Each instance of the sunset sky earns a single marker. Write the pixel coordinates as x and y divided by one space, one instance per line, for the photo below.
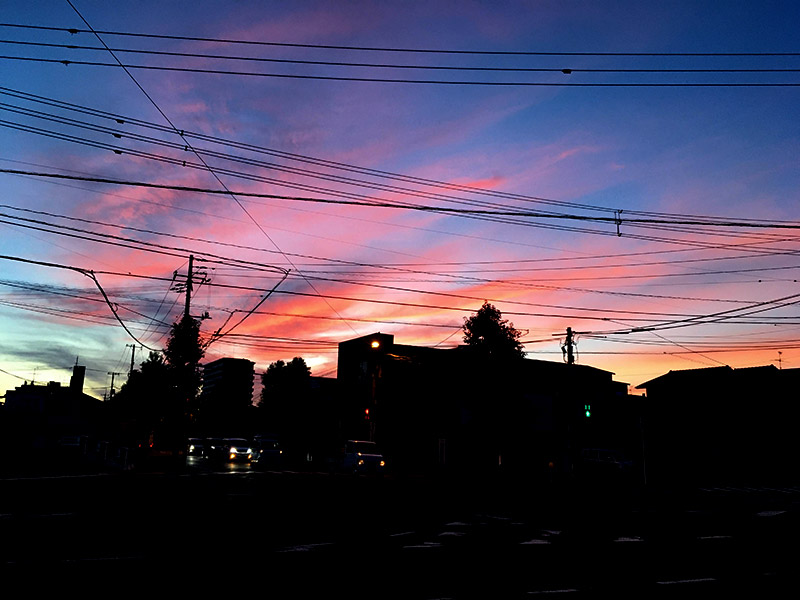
627 169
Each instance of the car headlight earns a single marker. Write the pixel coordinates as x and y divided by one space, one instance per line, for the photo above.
234 450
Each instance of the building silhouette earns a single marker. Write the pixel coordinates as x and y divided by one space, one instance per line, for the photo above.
455 410
226 394
36 416
721 424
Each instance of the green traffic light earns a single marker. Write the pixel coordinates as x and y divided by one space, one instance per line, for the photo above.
587 410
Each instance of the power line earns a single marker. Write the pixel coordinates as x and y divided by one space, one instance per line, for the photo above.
492 69
207 71
91 275
119 119
449 277
73 30
251 265
212 171
416 207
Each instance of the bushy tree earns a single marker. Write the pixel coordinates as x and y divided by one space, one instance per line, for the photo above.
159 397
282 379
491 335
183 354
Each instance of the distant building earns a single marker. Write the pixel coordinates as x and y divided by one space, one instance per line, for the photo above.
37 415
455 410
722 424
227 390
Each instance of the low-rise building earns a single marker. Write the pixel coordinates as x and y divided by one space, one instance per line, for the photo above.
455 409
721 424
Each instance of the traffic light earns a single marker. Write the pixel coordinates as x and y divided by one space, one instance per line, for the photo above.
366 414
587 410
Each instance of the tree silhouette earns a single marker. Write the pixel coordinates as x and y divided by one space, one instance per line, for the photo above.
282 379
286 408
158 398
491 335
183 355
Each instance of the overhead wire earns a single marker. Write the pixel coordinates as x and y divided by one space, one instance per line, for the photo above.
160 248
477 213
693 219
448 277
399 80
566 70
189 146
481 52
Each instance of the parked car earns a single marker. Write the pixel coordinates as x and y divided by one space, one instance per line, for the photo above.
602 461
362 457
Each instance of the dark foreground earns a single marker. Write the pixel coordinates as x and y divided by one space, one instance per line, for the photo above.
241 532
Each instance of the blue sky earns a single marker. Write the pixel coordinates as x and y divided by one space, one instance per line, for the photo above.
707 295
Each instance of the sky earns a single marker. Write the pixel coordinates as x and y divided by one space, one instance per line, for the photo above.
629 170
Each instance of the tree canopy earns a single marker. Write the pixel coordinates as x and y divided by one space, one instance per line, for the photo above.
282 378
490 334
161 396
183 354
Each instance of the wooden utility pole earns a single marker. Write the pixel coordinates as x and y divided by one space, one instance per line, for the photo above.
133 351
188 288
111 391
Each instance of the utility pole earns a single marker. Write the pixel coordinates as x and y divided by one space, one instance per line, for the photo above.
188 288
111 392
568 347
133 351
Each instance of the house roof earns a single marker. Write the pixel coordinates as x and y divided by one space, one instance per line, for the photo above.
685 375
691 376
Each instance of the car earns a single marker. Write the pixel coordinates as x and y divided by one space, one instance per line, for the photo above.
213 448
362 457
603 461
73 443
236 450
267 451
195 447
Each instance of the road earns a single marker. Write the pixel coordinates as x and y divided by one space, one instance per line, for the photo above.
308 535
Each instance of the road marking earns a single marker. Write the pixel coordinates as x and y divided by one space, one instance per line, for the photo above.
684 581
770 513
44 477
306 547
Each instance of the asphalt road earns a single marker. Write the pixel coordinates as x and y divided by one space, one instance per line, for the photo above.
234 531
